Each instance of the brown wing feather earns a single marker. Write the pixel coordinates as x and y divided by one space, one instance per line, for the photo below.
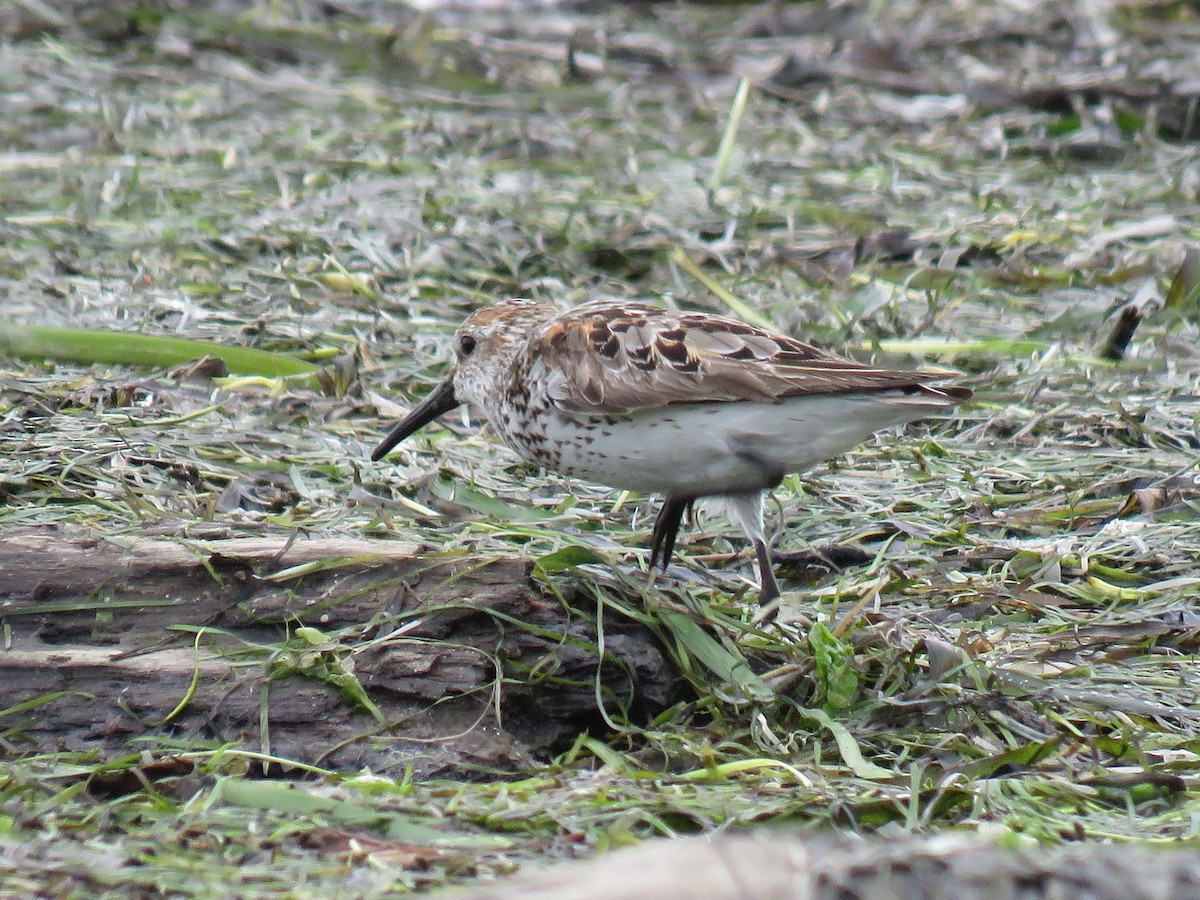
613 359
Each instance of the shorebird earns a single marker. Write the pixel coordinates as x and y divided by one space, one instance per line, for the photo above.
687 405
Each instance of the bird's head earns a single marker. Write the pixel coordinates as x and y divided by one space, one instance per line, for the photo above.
485 346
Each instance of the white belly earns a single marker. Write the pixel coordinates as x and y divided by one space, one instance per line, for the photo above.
716 448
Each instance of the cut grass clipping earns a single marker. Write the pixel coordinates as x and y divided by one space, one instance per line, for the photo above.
40 342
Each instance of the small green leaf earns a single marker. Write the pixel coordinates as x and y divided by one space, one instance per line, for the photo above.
325 665
1063 125
353 690
566 558
836 677
313 636
1129 121
848 747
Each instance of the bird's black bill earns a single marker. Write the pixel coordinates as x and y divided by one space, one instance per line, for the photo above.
440 400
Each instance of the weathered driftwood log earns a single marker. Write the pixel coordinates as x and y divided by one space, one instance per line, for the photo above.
125 643
780 865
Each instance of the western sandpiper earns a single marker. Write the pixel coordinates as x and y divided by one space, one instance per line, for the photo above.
688 405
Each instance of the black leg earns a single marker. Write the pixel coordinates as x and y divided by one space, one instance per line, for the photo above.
769 590
666 527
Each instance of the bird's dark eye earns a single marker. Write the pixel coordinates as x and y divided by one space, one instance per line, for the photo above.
466 344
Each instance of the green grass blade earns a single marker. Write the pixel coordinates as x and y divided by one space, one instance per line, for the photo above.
685 262
729 666
939 346
848 747
294 799
112 347
729 138
1185 286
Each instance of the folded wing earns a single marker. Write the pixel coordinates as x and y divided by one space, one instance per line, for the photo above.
611 360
